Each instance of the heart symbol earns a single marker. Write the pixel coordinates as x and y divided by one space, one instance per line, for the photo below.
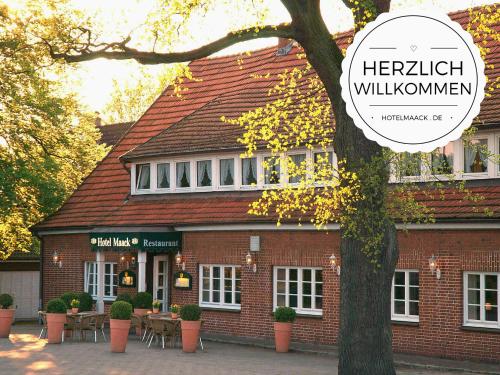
413 47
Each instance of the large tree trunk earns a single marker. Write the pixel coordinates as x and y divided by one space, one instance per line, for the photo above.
365 341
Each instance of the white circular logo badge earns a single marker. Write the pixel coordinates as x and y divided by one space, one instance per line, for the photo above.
413 81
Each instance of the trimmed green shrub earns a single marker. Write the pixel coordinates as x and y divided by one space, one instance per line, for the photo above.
124 297
121 310
86 301
143 300
284 314
56 306
6 301
190 312
68 297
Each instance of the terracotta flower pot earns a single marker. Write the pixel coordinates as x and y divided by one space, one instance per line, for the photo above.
156 311
282 336
174 315
6 319
190 335
74 310
55 327
139 312
119 334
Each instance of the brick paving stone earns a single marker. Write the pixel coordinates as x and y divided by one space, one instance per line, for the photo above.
23 353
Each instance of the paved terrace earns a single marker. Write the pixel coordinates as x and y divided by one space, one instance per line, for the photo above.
23 353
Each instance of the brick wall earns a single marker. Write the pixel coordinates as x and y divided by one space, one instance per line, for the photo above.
439 332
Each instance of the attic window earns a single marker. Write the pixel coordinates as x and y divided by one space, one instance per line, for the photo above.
183 174
143 176
204 173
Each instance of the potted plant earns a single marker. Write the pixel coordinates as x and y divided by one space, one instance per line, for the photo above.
174 310
190 325
75 304
142 302
284 317
56 317
86 301
156 306
67 298
6 314
119 324
124 297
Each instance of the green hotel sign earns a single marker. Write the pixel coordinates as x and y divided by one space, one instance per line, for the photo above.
155 242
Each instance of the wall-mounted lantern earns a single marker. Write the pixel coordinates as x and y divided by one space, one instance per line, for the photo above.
333 264
254 248
179 261
56 259
251 265
433 266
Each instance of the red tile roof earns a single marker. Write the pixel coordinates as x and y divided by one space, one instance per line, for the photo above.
222 86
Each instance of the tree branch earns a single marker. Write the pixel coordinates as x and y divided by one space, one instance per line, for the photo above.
120 51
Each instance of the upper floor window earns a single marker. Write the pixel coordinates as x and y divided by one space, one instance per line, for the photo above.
476 156
249 171
204 173
481 295
405 295
272 170
143 176
442 159
226 171
163 176
410 164
300 288
296 169
183 174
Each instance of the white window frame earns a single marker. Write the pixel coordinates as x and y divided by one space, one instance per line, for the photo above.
221 304
235 184
480 175
169 175
191 177
136 181
482 323
299 309
113 265
406 316
213 167
286 176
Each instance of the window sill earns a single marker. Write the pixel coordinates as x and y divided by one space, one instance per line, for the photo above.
306 315
480 329
405 323
222 309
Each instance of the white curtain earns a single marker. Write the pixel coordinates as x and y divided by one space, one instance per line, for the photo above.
143 180
227 172
249 171
182 175
272 171
204 170
297 161
163 176
470 154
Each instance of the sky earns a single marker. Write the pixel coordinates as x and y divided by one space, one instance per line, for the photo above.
94 80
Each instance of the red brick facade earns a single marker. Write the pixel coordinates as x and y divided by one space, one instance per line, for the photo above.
439 332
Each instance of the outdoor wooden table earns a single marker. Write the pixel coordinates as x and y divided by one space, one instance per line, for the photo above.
74 319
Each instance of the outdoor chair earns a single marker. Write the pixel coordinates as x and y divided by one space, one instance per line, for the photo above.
43 321
164 329
92 323
71 325
147 326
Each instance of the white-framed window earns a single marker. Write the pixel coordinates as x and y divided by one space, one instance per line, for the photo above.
220 286
143 176
204 173
442 160
183 175
476 156
226 172
249 171
163 175
300 288
272 173
405 295
298 165
110 280
481 296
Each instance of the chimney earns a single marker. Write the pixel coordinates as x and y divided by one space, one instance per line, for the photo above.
284 46
98 120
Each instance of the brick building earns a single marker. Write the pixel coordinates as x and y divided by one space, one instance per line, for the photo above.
170 202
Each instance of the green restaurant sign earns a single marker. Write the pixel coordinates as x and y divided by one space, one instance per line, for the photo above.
155 242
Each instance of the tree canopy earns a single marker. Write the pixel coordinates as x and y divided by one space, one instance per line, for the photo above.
47 143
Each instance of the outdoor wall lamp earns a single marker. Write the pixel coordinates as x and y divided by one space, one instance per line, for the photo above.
250 262
333 264
433 266
179 262
56 259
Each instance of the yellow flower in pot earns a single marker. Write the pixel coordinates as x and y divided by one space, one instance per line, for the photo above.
75 305
174 310
156 306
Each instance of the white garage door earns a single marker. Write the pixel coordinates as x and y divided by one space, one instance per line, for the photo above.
24 287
